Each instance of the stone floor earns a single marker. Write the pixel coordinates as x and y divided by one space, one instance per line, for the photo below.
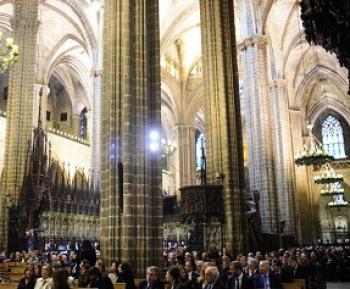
335 285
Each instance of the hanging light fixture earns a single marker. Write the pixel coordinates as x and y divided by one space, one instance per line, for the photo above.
8 53
328 175
313 154
332 189
338 201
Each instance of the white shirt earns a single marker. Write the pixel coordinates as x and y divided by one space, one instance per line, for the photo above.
240 277
42 283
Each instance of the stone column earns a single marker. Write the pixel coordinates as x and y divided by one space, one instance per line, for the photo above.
222 115
283 156
131 202
185 155
259 133
19 108
45 90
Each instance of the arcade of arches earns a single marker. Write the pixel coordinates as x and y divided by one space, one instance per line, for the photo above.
239 88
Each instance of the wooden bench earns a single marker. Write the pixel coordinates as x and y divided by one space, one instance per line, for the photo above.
15 277
294 285
8 286
17 269
301 282
119 285
138 281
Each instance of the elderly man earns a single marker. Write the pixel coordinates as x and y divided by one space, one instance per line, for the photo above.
212 278
152 279
266 279
253 268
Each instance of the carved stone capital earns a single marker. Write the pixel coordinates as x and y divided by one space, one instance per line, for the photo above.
258 39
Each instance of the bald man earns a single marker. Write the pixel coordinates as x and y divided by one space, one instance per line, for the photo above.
212 280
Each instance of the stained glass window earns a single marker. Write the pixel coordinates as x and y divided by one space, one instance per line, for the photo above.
333 138
200 151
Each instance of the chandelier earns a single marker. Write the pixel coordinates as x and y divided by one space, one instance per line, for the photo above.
328 175
314 154
332 189
338 201
8 53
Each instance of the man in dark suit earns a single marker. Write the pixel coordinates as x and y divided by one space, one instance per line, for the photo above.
282 273
298 272
238 280
266 279
212 277
253 268
152 279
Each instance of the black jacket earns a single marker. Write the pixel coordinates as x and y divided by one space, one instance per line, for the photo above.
258 281
245 284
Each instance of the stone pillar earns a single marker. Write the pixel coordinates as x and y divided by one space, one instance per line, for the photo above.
259 133
131 200
222 115
45 92
185 155
19 108
283 156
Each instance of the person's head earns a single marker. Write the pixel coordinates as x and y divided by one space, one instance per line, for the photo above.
236 268
292 262
264 267
199 265
114 267
253 264
100 266
37 270
152 274
183 273
125 269
205 256
276 265
173 275
225 261
243 261
94 275
29 272
86 245
211 274
60 278
190 265
46 272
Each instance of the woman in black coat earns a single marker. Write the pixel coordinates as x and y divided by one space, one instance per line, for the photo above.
28 282
87 253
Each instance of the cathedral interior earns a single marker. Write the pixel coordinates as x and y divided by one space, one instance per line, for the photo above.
147 124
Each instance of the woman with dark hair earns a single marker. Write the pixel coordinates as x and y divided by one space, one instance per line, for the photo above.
28 282
126 276
60 279
37 270
173 276
113 273
87 253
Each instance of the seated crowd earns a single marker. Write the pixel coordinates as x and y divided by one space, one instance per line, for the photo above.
187 270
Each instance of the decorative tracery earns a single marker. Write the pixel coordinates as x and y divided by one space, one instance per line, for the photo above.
333 138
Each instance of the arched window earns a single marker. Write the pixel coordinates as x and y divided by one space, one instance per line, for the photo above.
200 150
333 138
